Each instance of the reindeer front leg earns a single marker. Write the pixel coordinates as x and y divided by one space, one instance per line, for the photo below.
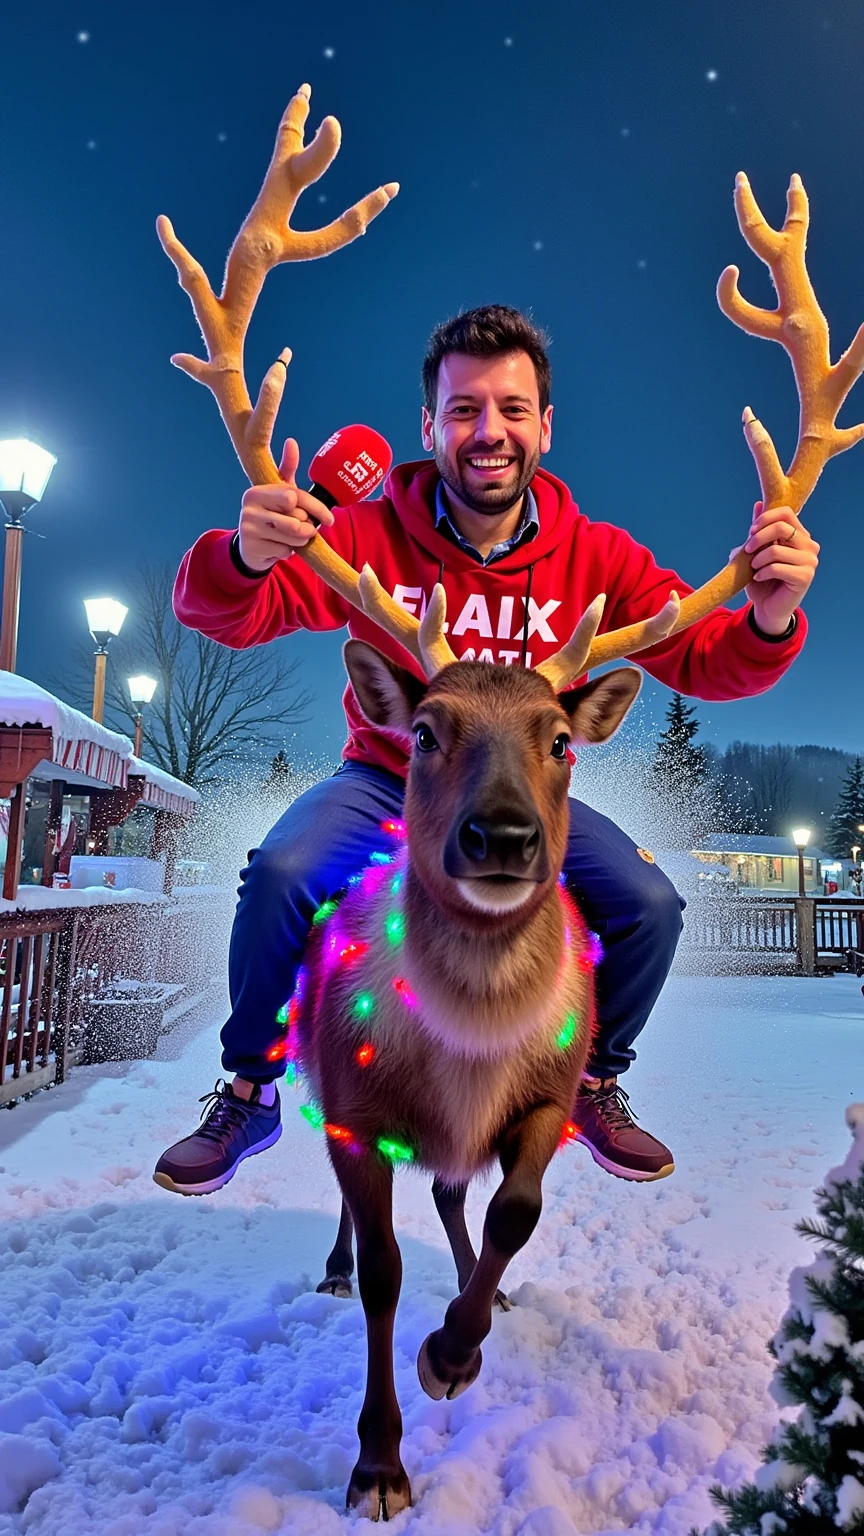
379 1483
450 1358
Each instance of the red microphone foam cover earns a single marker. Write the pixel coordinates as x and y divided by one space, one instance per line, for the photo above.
351 464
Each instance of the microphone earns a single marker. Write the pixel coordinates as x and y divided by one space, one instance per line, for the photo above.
349 466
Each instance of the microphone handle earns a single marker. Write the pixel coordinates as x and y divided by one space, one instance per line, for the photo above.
321 493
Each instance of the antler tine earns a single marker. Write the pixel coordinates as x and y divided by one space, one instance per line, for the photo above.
584 650
425 640
569 662
264 241
800 326
434 647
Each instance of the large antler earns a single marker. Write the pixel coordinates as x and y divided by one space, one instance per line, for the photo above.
800 326
265 240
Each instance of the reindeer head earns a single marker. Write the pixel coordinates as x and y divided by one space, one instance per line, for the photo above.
486 804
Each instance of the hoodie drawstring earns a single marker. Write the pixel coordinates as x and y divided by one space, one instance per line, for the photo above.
522 661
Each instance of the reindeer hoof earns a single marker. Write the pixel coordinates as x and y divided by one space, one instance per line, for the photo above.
335 1285
440 1379
378 1495
502 1302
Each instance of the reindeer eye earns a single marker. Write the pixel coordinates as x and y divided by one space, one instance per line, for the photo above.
559 747
425 740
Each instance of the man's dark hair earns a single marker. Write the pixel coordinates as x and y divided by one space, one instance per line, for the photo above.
487 332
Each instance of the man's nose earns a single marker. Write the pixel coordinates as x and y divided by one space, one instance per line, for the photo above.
491 427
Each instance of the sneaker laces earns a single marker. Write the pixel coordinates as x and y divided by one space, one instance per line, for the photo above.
613 1104
223 1112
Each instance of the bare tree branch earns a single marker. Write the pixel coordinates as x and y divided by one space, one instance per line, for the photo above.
211 702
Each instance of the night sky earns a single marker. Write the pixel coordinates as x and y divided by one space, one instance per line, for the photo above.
574 160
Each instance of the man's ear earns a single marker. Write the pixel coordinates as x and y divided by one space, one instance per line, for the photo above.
597 708
387 693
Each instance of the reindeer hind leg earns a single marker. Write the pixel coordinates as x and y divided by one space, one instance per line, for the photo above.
450 1205
340 1262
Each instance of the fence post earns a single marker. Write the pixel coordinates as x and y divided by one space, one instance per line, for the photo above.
805 926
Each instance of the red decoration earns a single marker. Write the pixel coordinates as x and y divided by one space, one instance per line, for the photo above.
365 1054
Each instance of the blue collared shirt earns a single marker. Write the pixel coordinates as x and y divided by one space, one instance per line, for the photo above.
529 527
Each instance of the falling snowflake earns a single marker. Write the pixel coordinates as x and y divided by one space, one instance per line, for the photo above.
91 143
82 37
641 263
711 74
508 42
625 133
222 137
322 197
538 245
329 53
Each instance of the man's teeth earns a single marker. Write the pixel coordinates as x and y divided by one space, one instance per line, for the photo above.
489 463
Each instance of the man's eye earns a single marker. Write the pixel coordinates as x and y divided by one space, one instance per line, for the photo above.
425 740
559 747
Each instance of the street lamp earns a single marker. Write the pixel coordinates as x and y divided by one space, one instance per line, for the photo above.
25 469
801 837
104 620
141 691
855 852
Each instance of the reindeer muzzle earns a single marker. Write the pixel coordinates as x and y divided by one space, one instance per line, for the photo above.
480 847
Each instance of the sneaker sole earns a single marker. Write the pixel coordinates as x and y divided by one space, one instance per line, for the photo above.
165 1181
635 1175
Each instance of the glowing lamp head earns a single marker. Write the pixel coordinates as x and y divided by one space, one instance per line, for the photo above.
142 689
104 618
801 837
25 470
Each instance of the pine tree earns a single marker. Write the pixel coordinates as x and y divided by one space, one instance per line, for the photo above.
277 785
811 1482
848 814
679 767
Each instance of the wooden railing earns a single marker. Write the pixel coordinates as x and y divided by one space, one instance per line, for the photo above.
34 1012
56 968
732 927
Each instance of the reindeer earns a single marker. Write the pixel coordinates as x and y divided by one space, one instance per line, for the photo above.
444 1011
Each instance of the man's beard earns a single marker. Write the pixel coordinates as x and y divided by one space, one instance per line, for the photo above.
495 499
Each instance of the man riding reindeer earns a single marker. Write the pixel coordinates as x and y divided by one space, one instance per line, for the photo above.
519 564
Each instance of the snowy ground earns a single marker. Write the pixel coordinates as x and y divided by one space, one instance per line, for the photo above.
165 1371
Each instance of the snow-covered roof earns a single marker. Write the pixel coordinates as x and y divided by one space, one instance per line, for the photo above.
162 790
746 842
80 744
88 751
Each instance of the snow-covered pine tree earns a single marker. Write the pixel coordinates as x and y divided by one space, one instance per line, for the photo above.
847 816
678 765
811 1482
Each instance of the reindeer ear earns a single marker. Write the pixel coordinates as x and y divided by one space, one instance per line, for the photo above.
597 708
387 693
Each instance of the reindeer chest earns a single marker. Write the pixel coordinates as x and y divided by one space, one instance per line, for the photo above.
388 1069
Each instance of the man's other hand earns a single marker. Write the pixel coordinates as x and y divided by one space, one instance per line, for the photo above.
277 519
784 560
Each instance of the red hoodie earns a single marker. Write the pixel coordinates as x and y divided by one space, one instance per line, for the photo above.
554 576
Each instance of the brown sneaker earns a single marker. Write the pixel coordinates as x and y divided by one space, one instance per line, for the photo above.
606 1126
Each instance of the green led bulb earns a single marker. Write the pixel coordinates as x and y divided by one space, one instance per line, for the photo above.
394 927
566 1033
396 1151
313 1114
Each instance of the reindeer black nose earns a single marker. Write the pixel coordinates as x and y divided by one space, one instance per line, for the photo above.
509 845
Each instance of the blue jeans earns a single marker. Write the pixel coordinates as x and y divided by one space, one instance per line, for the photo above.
328 834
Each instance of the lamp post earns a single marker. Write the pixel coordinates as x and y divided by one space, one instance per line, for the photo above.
104 620
141 691
25 469
805 911
855 852
801 837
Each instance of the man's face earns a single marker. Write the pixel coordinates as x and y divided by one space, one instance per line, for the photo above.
488 431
